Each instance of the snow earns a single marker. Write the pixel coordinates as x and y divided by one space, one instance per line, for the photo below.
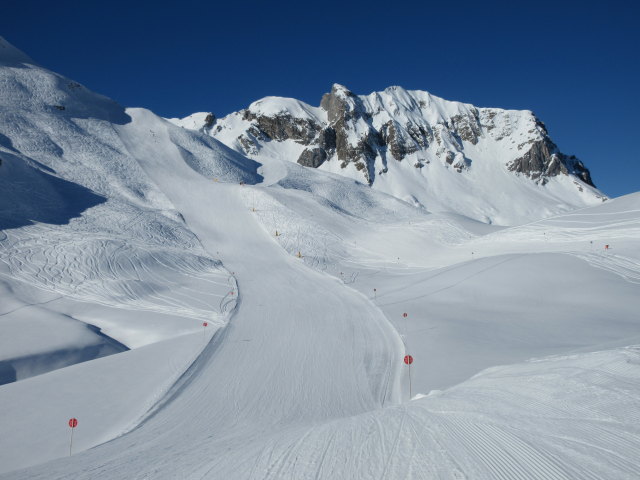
272 106
11 55
400 105
525 338
484 190
194 121
109 396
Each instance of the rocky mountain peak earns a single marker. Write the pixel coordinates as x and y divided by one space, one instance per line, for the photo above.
340 91
340 103
412 135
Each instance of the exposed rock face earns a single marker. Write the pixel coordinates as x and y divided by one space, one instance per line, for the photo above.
284 127
392 136
209 121
544 160
327 139
366 132
312 157
466 127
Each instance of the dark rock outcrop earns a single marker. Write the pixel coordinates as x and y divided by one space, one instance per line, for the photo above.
543 160
467 127
209 121
312 157
284 127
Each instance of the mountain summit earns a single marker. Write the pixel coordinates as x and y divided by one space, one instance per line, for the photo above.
494 165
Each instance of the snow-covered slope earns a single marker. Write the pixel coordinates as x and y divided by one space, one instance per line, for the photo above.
87 237
308 380
524 339
497 166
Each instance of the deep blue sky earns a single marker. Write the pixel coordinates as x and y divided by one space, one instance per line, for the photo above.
575 64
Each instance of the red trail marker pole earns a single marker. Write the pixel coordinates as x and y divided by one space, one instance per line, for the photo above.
73 423
204 331
408 359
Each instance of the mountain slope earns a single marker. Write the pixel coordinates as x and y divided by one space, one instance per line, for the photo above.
294 387
493 165
82 223
303 277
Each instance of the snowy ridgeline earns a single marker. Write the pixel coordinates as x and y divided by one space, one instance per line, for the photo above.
441 155
122 232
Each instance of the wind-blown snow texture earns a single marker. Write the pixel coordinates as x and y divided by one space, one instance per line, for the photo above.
121 233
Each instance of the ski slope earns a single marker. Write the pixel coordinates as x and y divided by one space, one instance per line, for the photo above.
306 416
525 339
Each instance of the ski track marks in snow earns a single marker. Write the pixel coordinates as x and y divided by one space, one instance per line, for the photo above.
627 268
117 272
549 418
307 380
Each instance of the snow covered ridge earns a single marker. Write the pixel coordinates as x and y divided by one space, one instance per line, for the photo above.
417 147
83 222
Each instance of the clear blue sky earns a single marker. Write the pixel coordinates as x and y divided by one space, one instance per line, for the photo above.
575 64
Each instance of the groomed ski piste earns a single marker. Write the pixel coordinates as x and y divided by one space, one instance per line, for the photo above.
123 234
